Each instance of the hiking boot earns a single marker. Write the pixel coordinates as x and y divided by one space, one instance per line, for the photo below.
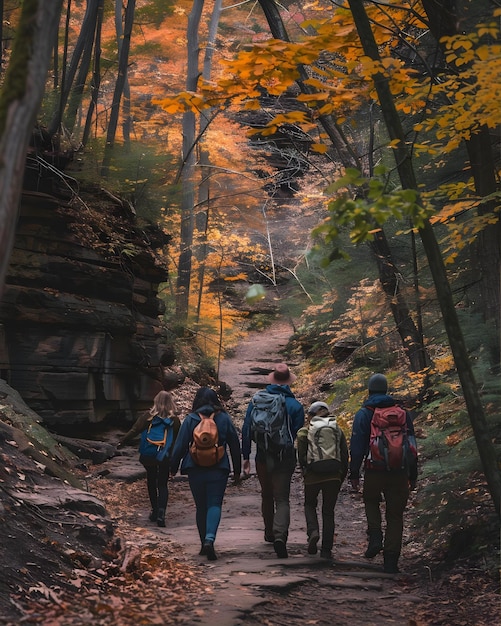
153 515
280 549
390 563
312 542
269 537
326 554
161 519
375 544
209 551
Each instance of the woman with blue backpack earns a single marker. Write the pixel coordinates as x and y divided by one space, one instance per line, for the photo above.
159 428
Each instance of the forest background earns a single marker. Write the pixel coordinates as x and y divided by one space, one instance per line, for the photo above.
336 164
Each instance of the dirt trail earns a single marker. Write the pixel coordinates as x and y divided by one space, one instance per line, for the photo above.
258 350
248 584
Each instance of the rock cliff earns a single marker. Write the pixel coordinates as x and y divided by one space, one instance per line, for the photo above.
80 334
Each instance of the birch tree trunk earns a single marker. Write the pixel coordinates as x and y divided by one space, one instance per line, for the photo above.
20 99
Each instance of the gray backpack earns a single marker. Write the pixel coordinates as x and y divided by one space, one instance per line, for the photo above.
324 445
270 427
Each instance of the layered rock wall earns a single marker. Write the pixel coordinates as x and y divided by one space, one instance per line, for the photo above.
80 334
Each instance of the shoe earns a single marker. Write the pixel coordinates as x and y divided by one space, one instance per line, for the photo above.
161 519
209 552
390 563
375 544
153 515
326 554
312 542
203 550
280 549
269 538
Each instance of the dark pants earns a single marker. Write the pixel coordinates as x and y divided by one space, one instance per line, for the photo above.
395 488
157 477
330 491
275 491
208 486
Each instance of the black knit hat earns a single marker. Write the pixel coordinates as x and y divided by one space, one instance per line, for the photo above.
377 384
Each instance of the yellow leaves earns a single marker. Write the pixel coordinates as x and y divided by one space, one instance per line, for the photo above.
184 101
252 105
321 148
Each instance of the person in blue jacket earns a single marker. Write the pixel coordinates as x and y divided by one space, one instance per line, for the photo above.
275 478
207 484
393 485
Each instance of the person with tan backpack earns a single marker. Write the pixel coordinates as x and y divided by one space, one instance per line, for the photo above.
200 448
322 452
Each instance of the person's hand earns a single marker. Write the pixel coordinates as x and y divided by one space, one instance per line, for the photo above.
355 484
246 467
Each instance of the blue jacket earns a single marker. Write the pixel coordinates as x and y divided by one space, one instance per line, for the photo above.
360 435
227 434
295 412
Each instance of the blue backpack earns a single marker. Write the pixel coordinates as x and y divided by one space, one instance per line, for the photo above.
156 440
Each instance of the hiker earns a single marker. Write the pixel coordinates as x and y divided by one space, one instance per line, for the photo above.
323 456
207 482
157 472
275 468
393 484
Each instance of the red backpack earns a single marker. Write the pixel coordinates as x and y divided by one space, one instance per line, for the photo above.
390 446
205 449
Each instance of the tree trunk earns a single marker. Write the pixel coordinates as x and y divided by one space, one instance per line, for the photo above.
126 117
123 61
390 278
88 26
202 214
20 99
405 169
96 78
188 171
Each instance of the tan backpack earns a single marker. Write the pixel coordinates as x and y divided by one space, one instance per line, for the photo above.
205 449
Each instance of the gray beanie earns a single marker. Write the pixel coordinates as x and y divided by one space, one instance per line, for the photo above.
377 383
316 406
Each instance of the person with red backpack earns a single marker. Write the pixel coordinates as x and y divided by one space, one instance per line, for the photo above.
383 440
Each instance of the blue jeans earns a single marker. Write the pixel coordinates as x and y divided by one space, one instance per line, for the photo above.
207 487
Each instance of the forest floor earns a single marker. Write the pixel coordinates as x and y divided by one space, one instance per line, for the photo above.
155 575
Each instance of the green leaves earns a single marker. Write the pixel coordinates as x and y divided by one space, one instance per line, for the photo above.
364 205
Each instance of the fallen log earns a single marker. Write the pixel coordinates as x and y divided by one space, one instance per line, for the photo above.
96 451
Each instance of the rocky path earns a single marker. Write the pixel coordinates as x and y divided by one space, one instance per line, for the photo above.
248 584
